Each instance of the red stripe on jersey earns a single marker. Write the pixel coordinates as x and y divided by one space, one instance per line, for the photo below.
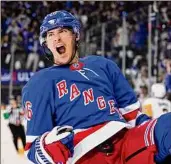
28 146
131 115
81 135
150 133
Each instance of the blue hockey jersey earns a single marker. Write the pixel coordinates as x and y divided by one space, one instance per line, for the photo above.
60 95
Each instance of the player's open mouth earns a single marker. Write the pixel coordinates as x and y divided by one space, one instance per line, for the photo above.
61 49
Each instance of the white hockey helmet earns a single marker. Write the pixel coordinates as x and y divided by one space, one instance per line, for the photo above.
158 90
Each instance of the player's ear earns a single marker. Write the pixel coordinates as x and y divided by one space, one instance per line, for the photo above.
45 43
77 37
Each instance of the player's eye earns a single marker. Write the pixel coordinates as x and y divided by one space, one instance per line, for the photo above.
50 34
63 30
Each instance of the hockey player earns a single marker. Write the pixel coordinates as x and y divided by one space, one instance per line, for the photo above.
157 104
78 110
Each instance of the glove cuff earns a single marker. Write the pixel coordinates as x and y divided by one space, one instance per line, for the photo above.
68 142
41 155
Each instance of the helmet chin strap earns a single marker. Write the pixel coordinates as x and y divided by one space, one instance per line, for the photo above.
74 56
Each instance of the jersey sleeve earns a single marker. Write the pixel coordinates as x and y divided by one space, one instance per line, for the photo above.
37 101
125 97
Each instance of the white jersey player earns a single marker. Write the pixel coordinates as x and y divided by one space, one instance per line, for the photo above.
157 105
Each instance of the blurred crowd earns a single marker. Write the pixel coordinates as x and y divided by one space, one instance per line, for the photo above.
20 22
20 28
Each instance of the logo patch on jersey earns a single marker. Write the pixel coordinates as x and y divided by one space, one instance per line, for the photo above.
76 66
28 111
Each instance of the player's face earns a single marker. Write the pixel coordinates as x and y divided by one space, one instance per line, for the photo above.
61 42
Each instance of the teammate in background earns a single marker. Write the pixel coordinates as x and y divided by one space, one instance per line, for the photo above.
15 115
157 105
78 110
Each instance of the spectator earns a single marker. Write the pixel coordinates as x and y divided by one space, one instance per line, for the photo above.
143 95
142 79
33 56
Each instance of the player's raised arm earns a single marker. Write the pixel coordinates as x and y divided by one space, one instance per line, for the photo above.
125 97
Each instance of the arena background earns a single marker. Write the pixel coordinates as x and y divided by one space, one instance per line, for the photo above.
136 35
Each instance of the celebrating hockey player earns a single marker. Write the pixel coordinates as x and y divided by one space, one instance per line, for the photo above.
83 111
